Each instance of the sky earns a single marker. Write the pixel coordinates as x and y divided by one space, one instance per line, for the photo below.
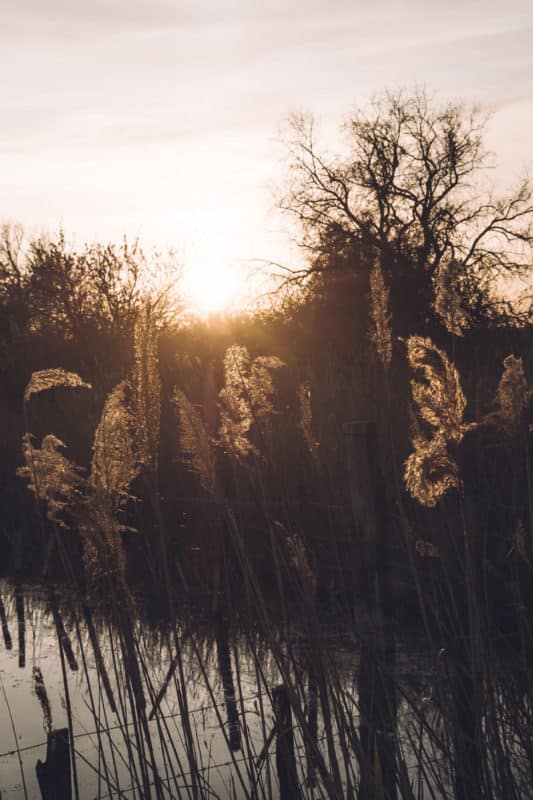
163 119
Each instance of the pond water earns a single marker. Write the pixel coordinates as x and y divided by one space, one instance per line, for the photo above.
147 723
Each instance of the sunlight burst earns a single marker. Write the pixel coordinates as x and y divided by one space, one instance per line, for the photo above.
212 288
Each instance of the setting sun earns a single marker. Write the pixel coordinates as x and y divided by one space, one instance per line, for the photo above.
212 288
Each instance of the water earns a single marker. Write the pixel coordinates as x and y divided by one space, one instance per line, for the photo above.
35 644
215 712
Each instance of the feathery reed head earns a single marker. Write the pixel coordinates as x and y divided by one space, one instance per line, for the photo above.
512 396
147 387
436 388
46 379
306 418
298 557
195 442
447 303
430 471
52 477
246 399
114 465
439 402
380 316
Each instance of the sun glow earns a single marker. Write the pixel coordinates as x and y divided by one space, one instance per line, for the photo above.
212 288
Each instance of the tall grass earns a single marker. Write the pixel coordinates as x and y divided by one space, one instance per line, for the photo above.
458 728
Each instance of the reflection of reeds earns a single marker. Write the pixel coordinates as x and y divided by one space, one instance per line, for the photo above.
40 691
226 673
5 629
15 737
368 742
21 623
61 632
65 648
98 658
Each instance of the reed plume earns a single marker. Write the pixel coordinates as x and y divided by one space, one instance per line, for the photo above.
298 559
447 303
113 469
439 401
147 388
195 442
246 399
430 471
52 477
436 389
114 466
46 379
380 316
512 396
306 419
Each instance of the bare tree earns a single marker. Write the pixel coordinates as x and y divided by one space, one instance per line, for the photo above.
409 192
13 275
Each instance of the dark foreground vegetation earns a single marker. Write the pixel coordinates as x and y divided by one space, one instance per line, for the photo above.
360 451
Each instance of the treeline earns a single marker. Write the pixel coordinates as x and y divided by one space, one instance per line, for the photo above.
396 320
328 370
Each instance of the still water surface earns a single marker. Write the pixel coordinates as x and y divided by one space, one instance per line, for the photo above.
227 678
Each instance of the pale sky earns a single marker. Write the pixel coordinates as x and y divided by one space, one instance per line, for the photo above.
160 118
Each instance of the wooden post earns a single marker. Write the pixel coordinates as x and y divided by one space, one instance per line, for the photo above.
54 775
377 697
361 462
226 674
377 723
285 758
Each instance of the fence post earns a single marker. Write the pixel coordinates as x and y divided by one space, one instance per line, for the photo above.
377 696
54 775
285 758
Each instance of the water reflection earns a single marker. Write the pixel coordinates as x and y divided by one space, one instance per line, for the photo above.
219 707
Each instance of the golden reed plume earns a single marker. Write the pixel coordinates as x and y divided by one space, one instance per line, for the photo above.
147 387
380 316
52 477
46 379
246 399
439 405
195 442
512 397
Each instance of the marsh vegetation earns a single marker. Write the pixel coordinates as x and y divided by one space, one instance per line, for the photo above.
286 553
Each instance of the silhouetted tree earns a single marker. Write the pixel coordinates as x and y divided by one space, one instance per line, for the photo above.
409 193
94 290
